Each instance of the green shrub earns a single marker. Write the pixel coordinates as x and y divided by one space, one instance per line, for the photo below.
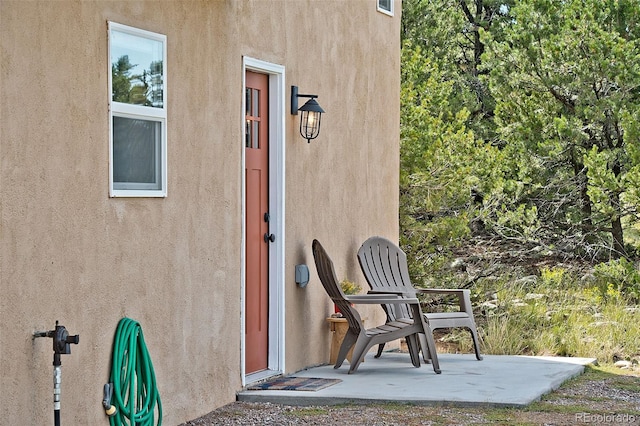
555 277
349 287
618 275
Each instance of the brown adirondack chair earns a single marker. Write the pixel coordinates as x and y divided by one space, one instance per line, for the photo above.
362 338
384 265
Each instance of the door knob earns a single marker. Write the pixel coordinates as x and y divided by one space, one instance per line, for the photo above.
269 237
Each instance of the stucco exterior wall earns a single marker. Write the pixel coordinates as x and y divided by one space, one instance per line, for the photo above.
342 188
71 253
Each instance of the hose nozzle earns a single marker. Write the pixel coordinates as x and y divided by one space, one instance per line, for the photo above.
109 409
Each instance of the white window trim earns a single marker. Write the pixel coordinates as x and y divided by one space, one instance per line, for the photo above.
383 10
119 109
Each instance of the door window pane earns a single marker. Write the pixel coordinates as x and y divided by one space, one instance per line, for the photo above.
255 110
255 133
252 112
247 101
247 135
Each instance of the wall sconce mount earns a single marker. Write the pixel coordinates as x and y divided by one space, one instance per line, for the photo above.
311 113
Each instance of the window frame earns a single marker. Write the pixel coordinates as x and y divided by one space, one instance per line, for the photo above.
138 112
384 10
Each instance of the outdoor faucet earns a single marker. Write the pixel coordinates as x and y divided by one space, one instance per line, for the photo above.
61 345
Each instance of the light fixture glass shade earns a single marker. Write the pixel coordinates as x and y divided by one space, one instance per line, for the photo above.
311 114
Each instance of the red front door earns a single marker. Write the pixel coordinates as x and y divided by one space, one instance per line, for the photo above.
257 222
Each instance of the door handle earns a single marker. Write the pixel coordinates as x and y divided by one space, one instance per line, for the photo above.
269 237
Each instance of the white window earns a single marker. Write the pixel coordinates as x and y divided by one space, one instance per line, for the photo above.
385 6
137 113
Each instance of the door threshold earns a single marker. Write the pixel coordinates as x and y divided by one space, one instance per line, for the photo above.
260 376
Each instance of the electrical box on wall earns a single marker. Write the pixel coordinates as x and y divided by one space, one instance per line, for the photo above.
302 275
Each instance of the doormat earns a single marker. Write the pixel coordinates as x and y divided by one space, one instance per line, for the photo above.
295 384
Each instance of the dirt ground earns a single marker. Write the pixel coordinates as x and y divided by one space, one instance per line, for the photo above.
600 396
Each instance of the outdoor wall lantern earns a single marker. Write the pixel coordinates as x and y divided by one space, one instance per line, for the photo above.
311 114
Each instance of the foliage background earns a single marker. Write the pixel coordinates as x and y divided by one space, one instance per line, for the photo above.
520 159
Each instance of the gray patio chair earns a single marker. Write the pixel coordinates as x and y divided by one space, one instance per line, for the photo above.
384 265
364 339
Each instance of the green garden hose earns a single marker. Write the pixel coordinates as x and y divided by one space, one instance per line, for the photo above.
133 381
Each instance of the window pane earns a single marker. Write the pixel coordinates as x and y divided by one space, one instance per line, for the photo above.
254 133
247 101
136 153
247 143
248 104
137 74
385 5
255 111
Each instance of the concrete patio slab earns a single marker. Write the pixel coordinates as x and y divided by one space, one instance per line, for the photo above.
497 380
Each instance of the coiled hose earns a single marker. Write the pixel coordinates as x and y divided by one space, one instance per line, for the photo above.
133 380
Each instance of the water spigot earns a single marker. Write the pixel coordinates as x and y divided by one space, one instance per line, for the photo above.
61 341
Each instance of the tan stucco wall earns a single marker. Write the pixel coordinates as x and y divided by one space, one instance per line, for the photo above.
343 187
68 252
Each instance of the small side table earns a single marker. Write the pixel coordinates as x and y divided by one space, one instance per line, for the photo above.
339 328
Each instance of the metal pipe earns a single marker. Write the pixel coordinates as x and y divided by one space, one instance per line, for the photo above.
57 381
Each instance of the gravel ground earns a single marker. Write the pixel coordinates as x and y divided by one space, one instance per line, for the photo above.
600 396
